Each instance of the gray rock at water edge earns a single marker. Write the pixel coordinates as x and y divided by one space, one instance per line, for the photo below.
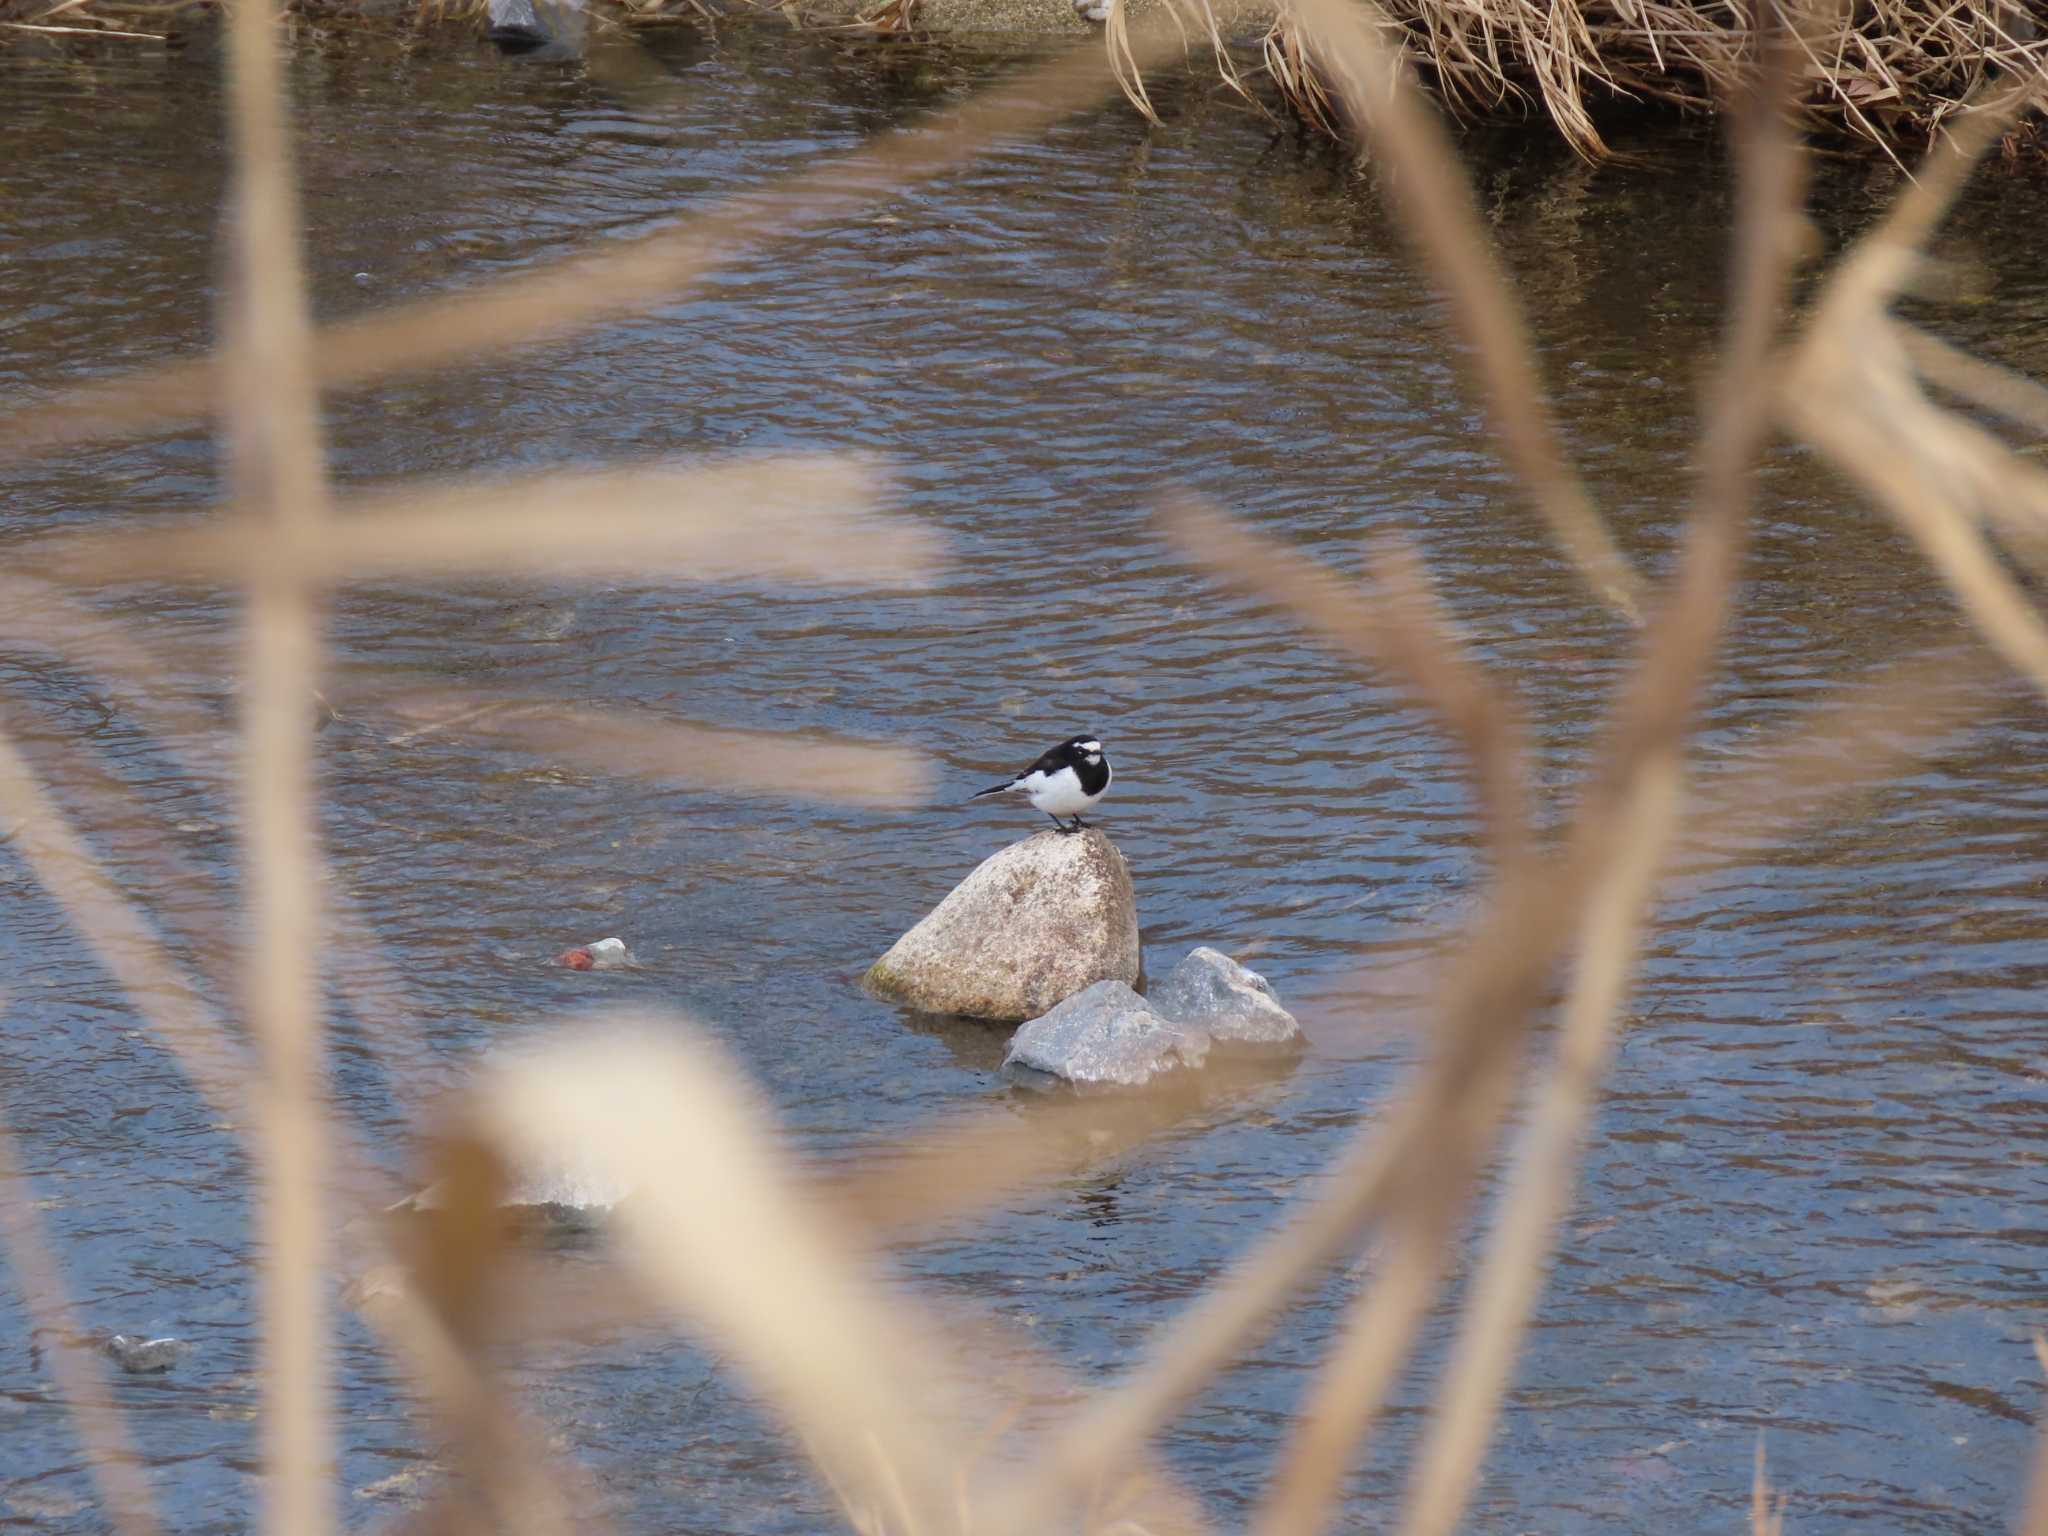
550 28
1208 990
1106 1036
1030 927
140 1356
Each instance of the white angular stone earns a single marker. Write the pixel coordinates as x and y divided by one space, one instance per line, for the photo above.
1106 1036
1210 991
1030 927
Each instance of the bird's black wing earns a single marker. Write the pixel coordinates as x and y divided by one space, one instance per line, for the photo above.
1050 761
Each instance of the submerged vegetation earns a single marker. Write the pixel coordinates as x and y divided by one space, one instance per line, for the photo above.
776 1266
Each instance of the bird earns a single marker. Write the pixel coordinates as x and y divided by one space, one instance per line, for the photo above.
1066 781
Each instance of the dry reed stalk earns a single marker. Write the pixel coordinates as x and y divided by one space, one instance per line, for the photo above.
1645 732
95 1416
1295 75
1511 1276
1644 805
1852 391
445 1311
40 834
1464 1093
1199 1343
29 26
805 518
597 285
1377 91
1766 1516
1349 1393
2009 393
36 615
277 473
1876 724
741 1253
120 941
1383 1322
39 831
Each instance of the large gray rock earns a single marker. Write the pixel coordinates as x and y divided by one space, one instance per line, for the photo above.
1106 1036
1210 991
1033 925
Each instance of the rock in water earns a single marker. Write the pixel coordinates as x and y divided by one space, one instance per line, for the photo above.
1033 925
533 26
142 1356
1210 991
1106 1036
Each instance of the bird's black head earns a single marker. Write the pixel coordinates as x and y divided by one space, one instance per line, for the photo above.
1080 749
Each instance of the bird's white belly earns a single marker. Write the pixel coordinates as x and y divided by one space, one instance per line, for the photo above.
1058 794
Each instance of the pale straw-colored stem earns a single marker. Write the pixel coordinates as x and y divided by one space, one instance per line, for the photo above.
1378 91
1511 1276
271 416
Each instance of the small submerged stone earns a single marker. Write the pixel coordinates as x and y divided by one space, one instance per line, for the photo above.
140 1356
1106 1036
1210 991
560 1195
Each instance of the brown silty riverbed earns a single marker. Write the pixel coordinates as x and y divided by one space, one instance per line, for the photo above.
1813 1203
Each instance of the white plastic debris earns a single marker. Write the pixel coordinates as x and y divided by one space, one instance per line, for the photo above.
600 955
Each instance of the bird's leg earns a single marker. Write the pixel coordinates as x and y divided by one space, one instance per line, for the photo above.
1079 823
1057 822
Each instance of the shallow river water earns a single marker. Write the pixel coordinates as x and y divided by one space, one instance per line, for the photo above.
1813 1204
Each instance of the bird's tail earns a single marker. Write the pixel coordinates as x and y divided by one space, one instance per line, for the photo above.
993 789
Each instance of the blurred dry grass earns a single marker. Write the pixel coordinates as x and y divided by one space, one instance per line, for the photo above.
785 1273
1891 73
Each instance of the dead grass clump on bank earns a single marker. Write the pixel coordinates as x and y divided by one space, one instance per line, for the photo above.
783 1271
1888 72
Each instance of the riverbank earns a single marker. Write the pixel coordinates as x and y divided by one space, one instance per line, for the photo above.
1884 78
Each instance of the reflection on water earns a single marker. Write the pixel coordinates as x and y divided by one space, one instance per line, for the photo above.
1813 1204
